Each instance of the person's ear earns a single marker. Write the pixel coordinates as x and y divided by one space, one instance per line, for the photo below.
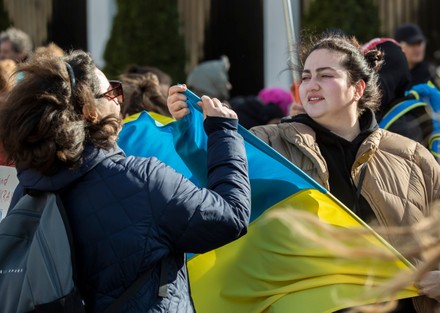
90 112
359 89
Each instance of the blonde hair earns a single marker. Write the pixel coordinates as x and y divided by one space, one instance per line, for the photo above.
7 75
51 48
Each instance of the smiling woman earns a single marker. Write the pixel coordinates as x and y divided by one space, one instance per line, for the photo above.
327 94
379 175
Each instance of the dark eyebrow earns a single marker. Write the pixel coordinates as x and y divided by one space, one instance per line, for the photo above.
320 69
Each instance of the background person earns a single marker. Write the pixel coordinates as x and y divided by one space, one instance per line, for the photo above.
394 83
165 80
50 48
211 78
143 92
15 44
252 111
413 43
7 82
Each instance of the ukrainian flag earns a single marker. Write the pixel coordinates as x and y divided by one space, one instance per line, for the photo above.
286 262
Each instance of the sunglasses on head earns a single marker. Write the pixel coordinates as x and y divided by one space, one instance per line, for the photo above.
115 92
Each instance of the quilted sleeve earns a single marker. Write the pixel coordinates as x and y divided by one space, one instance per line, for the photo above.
430 170
196 219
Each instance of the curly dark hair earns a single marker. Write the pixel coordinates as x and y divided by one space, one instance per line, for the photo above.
42 124
359 66
142 92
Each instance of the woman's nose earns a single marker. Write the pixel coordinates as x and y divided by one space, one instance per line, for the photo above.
312 84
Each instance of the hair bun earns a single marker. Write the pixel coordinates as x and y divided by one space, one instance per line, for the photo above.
374 59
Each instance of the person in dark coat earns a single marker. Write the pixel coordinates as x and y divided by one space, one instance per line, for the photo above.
394 83
128 214
394 75
413 42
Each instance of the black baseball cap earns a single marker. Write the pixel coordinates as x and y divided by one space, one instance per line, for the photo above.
409 33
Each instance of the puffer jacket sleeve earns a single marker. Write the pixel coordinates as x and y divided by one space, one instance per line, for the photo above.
430 169
197 220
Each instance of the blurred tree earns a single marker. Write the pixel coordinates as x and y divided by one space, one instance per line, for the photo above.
427 20
146 32
4 17
354 17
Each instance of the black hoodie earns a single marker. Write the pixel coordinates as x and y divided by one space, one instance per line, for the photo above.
340 155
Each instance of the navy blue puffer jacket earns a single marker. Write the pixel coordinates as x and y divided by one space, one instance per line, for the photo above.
130 213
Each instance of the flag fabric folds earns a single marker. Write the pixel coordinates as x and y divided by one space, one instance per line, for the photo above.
275 267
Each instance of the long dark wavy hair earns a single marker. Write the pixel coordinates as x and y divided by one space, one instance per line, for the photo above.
41 122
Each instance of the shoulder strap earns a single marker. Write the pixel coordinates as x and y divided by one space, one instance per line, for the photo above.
64 217
63 213
66 222
403 106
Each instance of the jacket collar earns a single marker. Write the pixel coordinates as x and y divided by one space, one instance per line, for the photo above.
92 156
300 131
367 122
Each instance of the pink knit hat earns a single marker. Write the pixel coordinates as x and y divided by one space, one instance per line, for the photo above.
279 96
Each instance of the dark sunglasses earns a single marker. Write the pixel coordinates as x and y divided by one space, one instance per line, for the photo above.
115 92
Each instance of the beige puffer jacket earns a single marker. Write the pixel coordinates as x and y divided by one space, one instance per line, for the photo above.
402 177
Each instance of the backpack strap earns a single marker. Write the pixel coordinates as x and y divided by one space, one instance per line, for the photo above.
72 302
69 233
63 213
402 107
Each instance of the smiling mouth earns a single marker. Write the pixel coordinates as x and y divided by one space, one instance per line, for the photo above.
315 99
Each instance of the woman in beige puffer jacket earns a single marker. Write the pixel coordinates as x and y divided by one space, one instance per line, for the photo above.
383 177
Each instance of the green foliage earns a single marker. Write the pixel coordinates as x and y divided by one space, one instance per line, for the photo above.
355 17
4 18
146 32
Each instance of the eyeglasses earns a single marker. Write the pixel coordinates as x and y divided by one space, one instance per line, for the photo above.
115 92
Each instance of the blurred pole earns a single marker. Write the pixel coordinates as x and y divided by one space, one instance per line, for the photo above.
291 40
290 30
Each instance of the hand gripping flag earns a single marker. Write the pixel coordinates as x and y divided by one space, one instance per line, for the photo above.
274 267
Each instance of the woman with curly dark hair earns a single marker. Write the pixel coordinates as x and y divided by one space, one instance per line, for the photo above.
386 179
128 214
